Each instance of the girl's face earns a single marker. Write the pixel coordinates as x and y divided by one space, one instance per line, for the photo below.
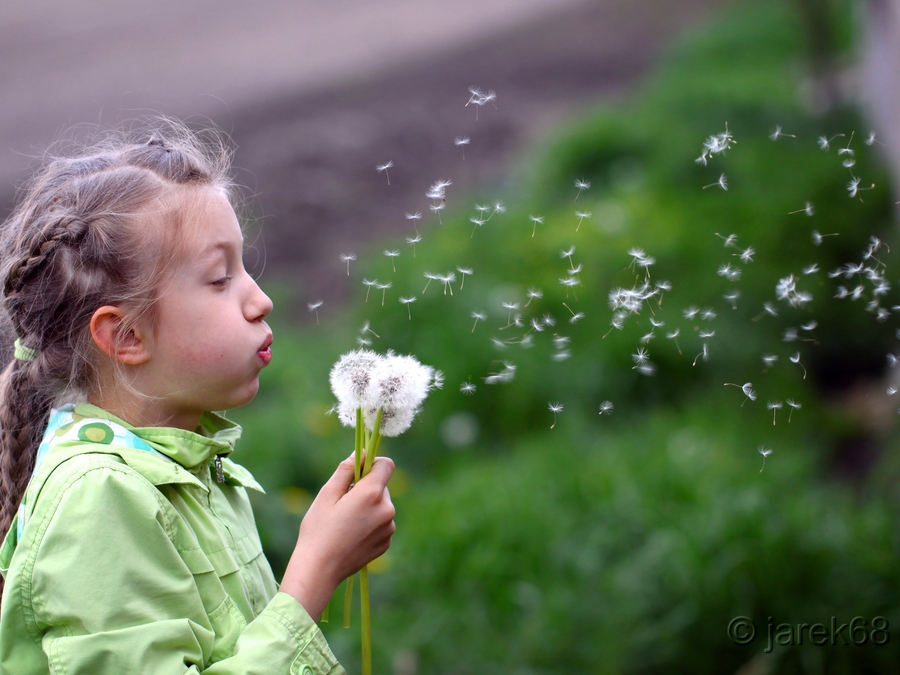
210 340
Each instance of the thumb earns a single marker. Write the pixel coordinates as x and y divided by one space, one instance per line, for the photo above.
340 480
381 471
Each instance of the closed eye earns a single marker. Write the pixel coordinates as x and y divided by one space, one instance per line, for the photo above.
222 282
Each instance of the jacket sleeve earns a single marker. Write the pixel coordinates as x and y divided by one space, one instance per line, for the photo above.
107 590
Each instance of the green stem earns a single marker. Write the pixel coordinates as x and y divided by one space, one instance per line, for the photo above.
373 442
366 621
360 430
348 600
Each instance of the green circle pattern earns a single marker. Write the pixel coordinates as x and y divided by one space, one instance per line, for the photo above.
96 432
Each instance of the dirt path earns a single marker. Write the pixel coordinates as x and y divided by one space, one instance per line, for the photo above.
315 96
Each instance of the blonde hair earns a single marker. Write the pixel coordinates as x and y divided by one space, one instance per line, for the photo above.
96 227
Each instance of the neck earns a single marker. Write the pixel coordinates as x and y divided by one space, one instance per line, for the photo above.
142 411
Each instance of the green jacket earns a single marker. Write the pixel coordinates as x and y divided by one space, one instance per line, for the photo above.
128 556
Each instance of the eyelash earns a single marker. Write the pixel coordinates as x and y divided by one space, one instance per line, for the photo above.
222 281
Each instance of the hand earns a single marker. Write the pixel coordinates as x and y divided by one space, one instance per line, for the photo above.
343 530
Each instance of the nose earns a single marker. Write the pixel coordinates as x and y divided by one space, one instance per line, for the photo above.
258 305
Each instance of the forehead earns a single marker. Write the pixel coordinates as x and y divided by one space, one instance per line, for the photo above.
208 222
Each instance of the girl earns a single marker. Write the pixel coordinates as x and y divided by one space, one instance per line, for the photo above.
130 544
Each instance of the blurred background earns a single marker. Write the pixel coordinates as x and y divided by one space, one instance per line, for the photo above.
595 539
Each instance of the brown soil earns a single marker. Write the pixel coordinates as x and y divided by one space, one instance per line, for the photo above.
310 158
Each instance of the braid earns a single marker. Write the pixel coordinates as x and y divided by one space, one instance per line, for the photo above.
89 230
18 435
67 230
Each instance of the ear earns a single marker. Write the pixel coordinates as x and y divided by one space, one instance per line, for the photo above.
110 335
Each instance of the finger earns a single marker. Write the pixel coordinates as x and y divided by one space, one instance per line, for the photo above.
381 471
340 480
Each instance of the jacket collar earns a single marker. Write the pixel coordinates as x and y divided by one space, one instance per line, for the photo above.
190 450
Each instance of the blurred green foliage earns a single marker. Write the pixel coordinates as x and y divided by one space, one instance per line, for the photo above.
623 543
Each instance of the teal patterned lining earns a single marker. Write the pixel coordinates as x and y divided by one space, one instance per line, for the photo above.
62 426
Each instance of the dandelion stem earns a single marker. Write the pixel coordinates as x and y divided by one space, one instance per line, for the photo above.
366 620
348 600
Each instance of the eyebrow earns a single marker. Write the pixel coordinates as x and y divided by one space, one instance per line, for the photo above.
223 246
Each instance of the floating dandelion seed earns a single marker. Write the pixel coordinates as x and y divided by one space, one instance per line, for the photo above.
778 133
716 144
708 314
408 302
640 357
437 208
367 328
431 277
478 223
746 389
314 307
392 255
825 143
870 139
853 187
810 269
554 408
807 209
478 316
447 280
770 359
415 217
774 406
413 241
536 220
645 339
348 258
793 405
731 273
891 391
368 284
511 306
817 238
606 408
768 308
478 99
673 335
765 452
722 183
691 312
467 388
796 359
581 215
746 256
385 167
568 254
581 185
570 283
533 294
462 142
383 288
499 207
809 326
892 361
730 241
463 271
578 316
